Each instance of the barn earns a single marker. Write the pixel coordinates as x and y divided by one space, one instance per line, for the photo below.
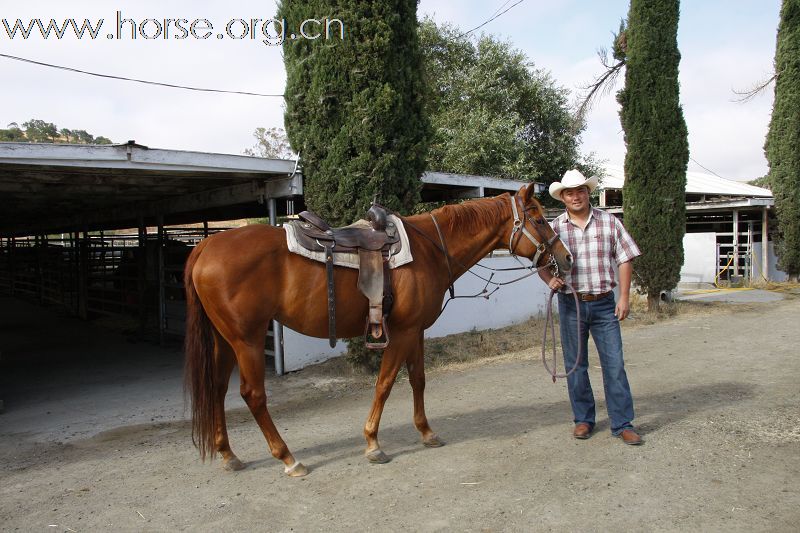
104 230
728 226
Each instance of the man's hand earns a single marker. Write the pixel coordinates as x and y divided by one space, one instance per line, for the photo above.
624 304
552 281
623 308
555 283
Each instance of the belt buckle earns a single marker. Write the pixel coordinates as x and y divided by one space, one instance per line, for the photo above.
589 297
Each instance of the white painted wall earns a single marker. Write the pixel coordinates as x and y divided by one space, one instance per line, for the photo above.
700 258
772 265
510 305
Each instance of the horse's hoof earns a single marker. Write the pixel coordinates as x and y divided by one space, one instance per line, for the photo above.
296 470
232 465
377 457
433 442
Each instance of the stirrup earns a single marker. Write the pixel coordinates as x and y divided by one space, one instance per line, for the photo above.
377 332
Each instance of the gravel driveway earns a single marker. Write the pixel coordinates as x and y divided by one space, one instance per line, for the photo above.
94 439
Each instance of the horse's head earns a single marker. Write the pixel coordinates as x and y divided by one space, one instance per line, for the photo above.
531 236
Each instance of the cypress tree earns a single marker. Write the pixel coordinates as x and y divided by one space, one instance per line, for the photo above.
654 201
783 140
354 104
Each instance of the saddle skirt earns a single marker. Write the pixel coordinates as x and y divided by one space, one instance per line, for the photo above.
399 256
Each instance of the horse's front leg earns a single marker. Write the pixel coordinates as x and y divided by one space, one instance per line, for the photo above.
399 348
416 376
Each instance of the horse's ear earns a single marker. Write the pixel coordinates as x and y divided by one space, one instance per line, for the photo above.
529 193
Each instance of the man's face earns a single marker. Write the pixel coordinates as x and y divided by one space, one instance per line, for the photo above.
576 200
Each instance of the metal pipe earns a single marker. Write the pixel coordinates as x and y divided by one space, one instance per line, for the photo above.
765 243
162 302
277 327
141 281
736 242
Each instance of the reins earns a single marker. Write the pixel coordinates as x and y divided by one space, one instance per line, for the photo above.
550 321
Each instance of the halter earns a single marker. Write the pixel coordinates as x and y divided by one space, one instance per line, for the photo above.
519 227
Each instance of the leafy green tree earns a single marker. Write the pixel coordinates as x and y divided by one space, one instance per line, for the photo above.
82 137
763 181
271 143
39 131
493 113
354 105
654 200
783 140
12 134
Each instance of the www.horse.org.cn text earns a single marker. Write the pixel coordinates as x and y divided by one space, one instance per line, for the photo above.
270 31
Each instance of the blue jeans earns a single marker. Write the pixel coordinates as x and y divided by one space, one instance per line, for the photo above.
598 318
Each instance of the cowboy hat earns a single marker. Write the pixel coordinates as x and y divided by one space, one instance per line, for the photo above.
572 179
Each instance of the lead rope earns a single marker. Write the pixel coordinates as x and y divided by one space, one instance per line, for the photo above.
550 321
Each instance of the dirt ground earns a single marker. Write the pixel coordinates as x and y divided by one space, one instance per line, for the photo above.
93 438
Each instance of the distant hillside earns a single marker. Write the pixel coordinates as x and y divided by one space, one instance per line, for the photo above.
39 131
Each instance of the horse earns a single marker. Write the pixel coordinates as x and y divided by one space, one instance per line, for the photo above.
239 280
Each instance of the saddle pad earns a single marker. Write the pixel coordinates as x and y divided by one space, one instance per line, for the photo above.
351 260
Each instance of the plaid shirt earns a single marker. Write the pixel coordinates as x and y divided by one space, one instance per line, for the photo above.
593 248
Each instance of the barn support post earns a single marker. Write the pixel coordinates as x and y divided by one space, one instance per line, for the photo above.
765 243
162 301
83 275
277 327
141 281
736 242
39 244
75 275
11 265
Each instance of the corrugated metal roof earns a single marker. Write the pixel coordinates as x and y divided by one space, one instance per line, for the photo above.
696 183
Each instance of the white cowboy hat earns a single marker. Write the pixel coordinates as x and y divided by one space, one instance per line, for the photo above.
572 179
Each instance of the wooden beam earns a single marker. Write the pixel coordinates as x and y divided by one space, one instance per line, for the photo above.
253 191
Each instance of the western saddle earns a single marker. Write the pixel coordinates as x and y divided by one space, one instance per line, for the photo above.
374 241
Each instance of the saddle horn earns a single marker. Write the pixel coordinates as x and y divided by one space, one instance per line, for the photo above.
377 217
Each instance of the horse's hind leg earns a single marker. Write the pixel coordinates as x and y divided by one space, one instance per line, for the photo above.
251 373
416 376
393 358
224 361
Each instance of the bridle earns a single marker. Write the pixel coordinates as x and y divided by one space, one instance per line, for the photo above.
519 230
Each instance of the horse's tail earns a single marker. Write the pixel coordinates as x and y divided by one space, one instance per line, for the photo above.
199 375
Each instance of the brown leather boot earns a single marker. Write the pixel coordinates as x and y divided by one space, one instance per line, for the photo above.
630 436
582 431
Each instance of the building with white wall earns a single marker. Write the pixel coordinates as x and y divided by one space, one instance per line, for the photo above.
727 225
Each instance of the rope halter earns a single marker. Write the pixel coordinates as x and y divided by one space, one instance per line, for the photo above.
519 228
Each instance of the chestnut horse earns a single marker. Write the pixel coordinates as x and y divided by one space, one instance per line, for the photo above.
238 280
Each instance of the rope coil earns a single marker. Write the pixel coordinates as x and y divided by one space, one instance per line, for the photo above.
550 321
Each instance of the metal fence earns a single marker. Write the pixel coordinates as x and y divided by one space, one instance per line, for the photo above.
135 275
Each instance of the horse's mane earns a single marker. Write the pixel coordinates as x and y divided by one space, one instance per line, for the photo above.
475 215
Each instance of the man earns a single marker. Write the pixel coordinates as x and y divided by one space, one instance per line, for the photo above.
595 238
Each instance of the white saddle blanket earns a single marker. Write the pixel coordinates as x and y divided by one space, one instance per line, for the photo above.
397 258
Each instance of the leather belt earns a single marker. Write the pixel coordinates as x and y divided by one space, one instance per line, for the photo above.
587 297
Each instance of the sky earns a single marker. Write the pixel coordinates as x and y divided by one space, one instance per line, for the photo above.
725 45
